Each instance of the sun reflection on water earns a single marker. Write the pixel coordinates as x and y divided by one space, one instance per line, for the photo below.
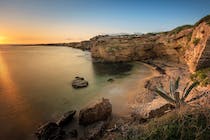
12 99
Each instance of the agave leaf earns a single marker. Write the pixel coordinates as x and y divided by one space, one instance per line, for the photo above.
176 96
162 90
185 88
194 84
171 87
176 85
164 95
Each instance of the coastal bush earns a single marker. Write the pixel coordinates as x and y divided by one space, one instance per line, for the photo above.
196 41
180 28
204 19
174 96
201 76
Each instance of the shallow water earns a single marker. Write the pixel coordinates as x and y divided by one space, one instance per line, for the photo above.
35 85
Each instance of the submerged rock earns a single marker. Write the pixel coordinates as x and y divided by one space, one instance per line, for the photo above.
66 118
98 111
50 131
79 82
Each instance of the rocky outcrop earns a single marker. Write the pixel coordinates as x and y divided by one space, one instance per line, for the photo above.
99 111
94 118
50 131
79 82
83 45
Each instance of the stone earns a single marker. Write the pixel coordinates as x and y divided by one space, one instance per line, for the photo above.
98 111
50 131
156 108
79 82
161 111
66 118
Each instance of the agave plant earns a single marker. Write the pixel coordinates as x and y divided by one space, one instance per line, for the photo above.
174 96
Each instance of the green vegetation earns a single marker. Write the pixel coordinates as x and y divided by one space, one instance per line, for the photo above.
188 126
191 124
180 28
204 19
196 41
152 33
202 77
174 96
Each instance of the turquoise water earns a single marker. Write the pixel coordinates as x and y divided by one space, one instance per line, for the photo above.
35 85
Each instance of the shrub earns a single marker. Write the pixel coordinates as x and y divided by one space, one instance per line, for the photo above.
196 41
201 76
180 28
204 19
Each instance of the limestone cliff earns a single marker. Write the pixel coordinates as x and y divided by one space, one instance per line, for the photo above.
189 42
125 48
198 50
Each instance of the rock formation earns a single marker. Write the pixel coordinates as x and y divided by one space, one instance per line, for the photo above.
99 111
50 131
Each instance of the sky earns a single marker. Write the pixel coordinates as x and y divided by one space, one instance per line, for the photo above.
51 21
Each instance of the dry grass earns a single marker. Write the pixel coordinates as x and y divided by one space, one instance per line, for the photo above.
184 124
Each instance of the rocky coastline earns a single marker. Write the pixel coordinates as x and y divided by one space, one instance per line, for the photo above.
179 52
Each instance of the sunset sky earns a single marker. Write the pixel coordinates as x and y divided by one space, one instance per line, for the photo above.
50 21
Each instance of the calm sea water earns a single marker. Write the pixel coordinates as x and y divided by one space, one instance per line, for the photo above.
35 85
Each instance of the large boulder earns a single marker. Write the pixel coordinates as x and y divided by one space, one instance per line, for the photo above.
50 131
98 111
79 82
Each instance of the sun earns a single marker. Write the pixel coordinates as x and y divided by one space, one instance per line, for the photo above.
2 39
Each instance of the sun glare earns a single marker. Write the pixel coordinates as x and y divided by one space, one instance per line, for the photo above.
2 39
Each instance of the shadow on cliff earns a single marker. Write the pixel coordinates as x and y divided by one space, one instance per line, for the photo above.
112 68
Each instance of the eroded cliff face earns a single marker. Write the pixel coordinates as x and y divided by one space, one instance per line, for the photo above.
125 48
197 54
